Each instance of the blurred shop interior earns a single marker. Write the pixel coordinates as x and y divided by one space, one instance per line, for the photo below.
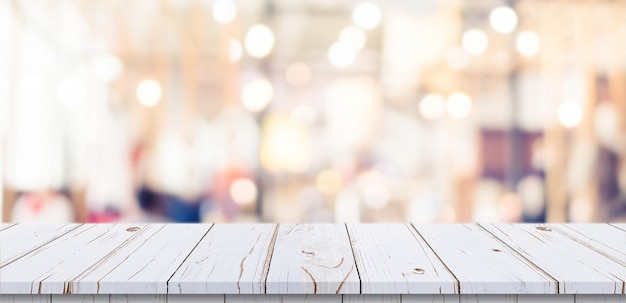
313 111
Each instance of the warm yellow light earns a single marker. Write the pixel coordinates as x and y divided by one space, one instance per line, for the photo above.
329 182
257 94
459 105
298 74
235 51
432 106
376 196
243 191
224 11
149 92
285 145
503 19
341 55
353 37
475 41
259 41
570 114
528 44
367 15
71 91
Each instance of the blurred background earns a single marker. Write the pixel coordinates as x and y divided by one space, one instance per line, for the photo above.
313 110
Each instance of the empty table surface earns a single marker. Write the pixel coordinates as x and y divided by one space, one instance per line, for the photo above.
281 259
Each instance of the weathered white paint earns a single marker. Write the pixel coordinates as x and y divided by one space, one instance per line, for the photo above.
374 298
4 226
545 298
312 259
195 299
138 299
21 239
141 266
283 298
230 259
80 298
578 269
502 298
621 226
430 298
481 263
598 237
392 260
46 269
25 299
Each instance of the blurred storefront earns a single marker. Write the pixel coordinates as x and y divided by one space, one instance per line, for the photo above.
313 111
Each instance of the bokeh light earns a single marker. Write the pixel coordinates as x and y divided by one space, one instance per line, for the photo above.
259 41
149 92
528 44
71 91
475 41
376 196
503 19
329 182
235 50
353 37
257 94
459 105
243 191
367 15
341 55
432 106
570 114
224 11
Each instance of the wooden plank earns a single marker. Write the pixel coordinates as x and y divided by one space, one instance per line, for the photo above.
546 298
312 259
282 298
621 226
481 263
601 238
138 299
578 269
600 298
392 260
231 259
4 226
374 298
195 299
25 298
144 265
80 298
47 269
19 240
502 298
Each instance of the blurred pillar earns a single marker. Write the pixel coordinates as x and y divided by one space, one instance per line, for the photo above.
551 22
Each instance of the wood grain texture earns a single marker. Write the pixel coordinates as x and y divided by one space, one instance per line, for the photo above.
80 298
283 298
21 239
195 299
481 263
546 298
25 299
138 299
601 238
47 269
312 259
374 298
502 298
144 265
391 259
230 259
578 269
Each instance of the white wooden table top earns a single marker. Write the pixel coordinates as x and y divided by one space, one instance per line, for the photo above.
313 259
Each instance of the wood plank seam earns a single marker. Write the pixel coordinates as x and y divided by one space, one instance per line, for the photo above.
7 226
40 246
416 233
617 226
521 256
167 288
268 259
583 243
356 265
